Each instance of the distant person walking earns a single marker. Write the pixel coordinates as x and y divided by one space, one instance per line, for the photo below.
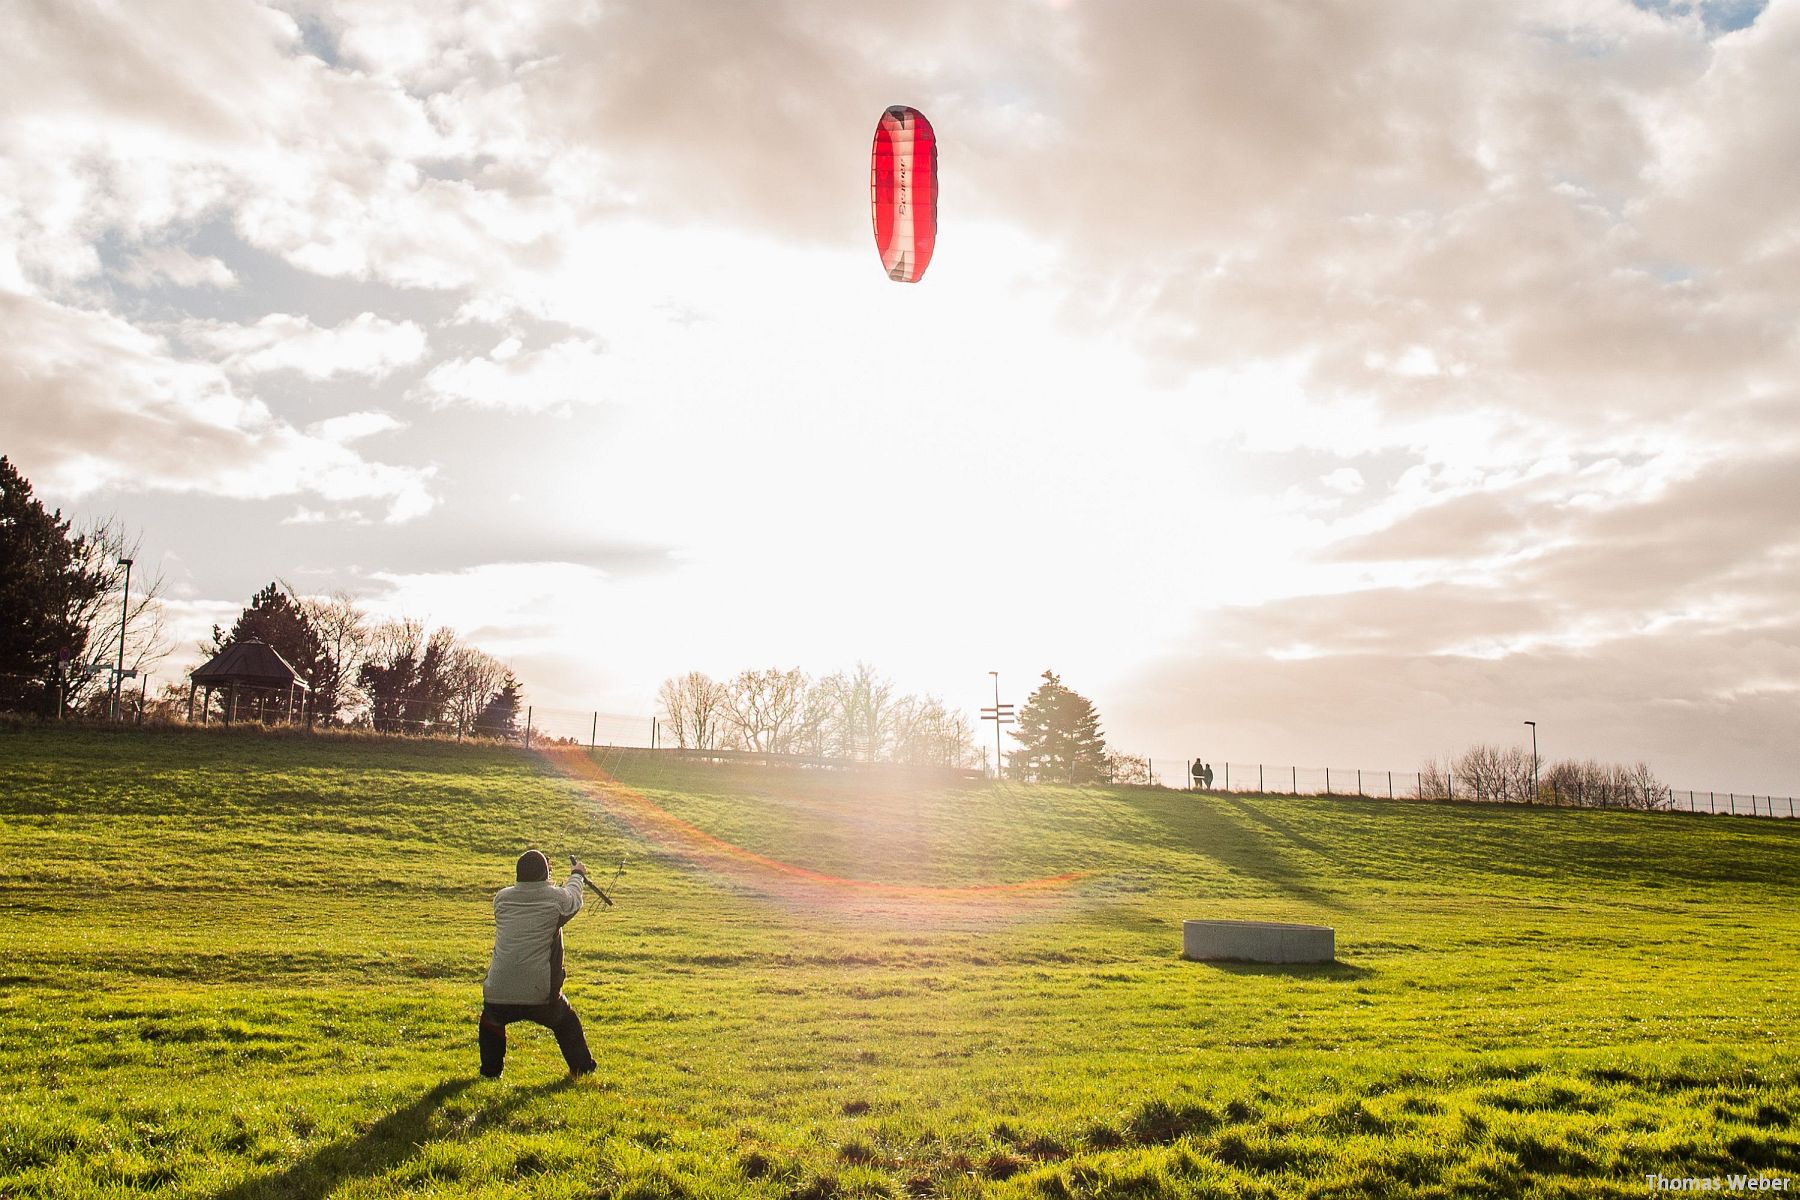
1198 771
1206 776
525 978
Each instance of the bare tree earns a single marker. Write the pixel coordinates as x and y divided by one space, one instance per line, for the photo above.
1128 768
1644 788
389 673
694 706
813 721
474 676
104 544
764 706
1494 775
856 715
344 631
925 733
1436 782
1485 773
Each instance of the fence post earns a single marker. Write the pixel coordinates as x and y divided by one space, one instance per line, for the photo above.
1390 785
1294 780
1731 798
1328 781
1190 773
1259 779
528 726
1228 777
594 737
1359 781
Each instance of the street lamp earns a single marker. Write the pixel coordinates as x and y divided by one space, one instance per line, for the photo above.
124 615
1534 761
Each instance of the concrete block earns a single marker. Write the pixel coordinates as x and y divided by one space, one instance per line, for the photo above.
1258 941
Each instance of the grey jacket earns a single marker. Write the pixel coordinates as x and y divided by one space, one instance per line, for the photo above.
527 967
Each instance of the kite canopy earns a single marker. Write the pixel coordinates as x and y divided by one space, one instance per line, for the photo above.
903 190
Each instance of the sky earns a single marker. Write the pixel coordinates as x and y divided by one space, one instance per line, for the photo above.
1311 383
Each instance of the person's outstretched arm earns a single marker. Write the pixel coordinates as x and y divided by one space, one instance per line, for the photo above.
569 903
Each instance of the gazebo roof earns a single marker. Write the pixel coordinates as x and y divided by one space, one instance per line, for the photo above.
250 662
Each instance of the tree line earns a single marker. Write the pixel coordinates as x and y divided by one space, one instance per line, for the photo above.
858 714
390 675
64 602
1513 776
863 716
63 605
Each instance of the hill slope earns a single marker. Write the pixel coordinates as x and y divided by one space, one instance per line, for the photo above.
249 966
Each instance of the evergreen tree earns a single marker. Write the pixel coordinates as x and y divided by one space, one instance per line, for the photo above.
46 584
1059 737
500 718
274 616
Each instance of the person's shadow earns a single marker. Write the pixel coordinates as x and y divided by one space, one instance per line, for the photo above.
385 1144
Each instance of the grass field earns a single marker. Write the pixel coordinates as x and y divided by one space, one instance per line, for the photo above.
243 966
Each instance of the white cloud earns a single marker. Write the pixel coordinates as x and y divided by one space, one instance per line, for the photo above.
352 426
94 402
557 377
364 345
179 267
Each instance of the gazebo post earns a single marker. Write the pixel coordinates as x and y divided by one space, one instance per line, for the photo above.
231 698
191 686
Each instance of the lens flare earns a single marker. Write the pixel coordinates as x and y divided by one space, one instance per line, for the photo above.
697 847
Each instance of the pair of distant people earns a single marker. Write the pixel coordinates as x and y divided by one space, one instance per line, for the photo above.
1203 774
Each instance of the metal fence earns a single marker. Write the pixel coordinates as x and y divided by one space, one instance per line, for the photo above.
591 727
1266 779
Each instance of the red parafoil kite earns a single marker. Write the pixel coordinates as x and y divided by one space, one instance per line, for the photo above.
903 190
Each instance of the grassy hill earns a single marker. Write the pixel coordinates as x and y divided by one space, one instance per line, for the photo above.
242 966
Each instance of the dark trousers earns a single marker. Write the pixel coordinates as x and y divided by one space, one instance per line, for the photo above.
556 1016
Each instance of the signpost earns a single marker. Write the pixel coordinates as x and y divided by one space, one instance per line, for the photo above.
1000 714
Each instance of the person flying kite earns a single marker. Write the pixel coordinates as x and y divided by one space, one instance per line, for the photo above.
525 978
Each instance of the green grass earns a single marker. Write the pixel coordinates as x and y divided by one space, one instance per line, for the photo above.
248 966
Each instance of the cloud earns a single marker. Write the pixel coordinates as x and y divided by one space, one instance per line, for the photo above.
219 109
352 426
365 345
1657 626
178 266
1456 340
512 380
128 414
1704 709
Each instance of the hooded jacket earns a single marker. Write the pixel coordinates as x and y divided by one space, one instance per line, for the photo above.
527 967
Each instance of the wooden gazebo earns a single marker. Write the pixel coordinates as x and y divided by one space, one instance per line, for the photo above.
250 666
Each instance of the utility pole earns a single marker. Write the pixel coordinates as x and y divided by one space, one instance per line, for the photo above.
1000 714
124 614
1534 762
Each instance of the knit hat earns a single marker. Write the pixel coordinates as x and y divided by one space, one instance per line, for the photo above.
533 866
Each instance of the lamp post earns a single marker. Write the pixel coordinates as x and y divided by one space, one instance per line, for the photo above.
124 615
1534 761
